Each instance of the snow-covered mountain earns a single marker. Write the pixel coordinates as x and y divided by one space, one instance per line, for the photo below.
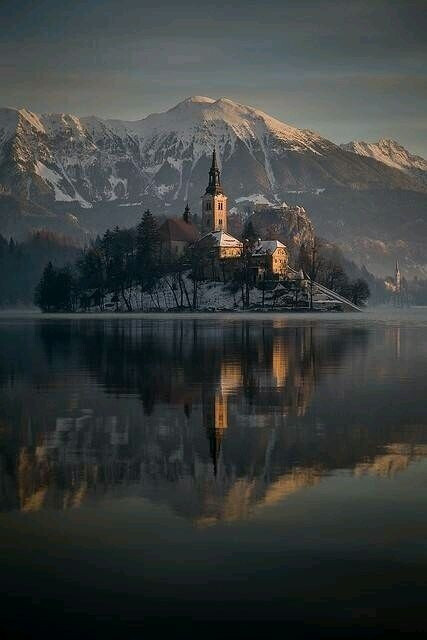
164 157
91 173
392 154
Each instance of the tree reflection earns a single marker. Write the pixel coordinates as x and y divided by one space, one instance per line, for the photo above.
213 418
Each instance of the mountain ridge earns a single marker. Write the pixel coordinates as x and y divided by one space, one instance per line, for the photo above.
391 153
103 171
90 159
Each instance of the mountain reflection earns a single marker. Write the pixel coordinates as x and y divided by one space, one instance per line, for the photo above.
215 419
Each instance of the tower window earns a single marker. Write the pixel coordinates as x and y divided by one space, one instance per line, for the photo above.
220 221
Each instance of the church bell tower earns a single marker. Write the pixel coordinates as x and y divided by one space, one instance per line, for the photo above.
214 202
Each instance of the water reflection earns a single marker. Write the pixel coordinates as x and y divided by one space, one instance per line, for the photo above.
215 419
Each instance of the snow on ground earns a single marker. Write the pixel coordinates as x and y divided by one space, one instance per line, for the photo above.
212 296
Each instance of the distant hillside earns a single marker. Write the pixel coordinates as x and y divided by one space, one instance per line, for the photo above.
19 217
22 263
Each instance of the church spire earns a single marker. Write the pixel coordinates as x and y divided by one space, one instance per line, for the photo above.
214 166
214 185
397 275
186 214
214 201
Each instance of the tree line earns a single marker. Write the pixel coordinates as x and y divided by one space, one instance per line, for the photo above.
22 264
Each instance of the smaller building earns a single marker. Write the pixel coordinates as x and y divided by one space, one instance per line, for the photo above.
221 245
270 257
176 234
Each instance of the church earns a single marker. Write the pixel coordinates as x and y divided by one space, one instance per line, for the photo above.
268 257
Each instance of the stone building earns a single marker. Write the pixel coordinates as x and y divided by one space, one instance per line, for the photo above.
270 257
176 234
222 245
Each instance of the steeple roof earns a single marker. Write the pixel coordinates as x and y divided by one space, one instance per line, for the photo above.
186 214
214 186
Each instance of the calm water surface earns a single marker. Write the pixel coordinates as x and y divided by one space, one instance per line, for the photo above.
213 469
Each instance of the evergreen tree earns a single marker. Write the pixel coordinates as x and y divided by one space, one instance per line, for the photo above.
64 289
121 263
45 291
249 234
56 289
359 291
92 275
147 252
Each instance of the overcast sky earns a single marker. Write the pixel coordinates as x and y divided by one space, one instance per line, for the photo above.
346 68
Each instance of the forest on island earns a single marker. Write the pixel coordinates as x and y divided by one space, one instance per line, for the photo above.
113 266
51 271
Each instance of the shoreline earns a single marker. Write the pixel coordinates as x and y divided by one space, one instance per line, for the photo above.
379 313
178 314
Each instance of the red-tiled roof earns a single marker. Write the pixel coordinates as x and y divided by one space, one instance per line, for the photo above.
177 230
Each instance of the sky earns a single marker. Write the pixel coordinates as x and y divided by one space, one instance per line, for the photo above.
349 69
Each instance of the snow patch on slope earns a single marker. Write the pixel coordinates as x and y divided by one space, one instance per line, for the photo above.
194 126
54 180
255 198
388 152
115 182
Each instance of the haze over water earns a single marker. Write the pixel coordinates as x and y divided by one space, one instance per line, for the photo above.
220 468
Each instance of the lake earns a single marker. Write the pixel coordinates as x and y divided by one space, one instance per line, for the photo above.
234 470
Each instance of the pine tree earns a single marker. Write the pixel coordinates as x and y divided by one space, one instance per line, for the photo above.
249 234
359 291
45 291
91 271
56 289
147 252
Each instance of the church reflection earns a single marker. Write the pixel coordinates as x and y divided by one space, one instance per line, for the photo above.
216 421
